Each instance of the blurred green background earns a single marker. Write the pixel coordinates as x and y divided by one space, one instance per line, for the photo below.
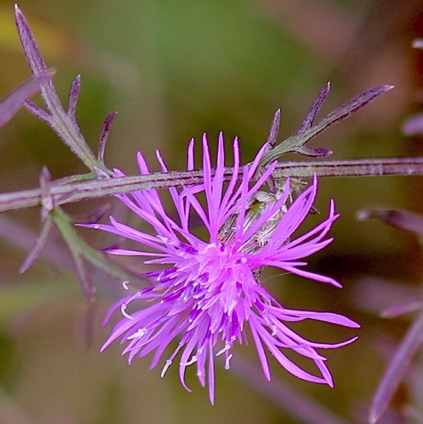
173 70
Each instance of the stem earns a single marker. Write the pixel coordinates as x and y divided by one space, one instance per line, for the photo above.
351 168
63 123
65 193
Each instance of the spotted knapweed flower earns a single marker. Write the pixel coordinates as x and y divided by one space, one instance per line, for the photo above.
206 291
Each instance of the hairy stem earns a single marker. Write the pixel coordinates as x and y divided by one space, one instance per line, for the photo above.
72 192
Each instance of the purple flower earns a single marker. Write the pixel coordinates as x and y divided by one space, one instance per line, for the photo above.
205 291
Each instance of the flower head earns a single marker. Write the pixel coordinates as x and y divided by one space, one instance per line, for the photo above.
206 291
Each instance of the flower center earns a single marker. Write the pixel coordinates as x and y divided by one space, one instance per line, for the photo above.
213 277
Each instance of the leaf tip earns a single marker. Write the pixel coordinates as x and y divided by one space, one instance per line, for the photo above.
18 13
388 87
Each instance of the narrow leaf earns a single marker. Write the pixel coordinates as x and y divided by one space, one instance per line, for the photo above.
104 135
97 214
400 219
63 124
274 129
347 109
10 105
396 369
32 53
313 152
314 110
38 247
296 142
403 307
84 277
38 112
73 97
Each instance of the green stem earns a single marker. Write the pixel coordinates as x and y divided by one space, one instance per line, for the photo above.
80 249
